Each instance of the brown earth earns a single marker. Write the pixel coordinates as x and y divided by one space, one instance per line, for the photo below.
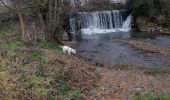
123 84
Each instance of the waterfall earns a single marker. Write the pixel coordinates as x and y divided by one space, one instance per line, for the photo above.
127 23
73 26
101 22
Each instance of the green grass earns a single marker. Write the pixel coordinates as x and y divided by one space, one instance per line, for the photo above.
64 91
45 59
124 67
36 54
152 71
25 74
15 45
48 45
150 96
32 79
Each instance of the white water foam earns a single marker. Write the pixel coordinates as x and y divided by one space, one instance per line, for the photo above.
101 22
93 30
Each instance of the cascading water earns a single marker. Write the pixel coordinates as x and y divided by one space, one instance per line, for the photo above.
101 22
127 23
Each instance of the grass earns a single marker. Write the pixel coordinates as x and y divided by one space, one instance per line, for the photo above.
150 96
48 45
36 54
149 71
124 66
51 85
31 74
14 46
32 79
154 71
4 81
63 91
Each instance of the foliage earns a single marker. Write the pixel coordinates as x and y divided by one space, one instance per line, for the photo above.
139 7
155 10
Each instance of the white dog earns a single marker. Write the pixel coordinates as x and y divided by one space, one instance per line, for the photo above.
67 49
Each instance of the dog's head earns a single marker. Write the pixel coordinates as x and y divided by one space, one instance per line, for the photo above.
73 51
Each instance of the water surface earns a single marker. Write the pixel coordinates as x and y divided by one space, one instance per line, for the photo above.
107 48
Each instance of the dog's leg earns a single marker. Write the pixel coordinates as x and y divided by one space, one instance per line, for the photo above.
69 51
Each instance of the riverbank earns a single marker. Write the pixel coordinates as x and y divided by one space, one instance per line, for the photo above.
145 25
42 71
126 83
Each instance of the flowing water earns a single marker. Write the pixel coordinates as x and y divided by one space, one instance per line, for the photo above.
108 48
101 22
101 33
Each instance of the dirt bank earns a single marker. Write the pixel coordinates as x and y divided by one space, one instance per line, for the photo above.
145 25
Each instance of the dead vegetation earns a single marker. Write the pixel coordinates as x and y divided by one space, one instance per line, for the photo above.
123 84
42 71
36 72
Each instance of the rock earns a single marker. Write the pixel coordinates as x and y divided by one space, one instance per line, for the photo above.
65 36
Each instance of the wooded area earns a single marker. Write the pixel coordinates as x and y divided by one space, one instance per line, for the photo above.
46 20
155 10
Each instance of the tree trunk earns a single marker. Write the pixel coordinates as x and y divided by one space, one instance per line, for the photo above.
18 7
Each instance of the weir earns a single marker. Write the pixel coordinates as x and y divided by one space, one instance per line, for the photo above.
100 22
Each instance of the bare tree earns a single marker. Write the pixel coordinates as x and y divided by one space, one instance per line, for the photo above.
44 19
